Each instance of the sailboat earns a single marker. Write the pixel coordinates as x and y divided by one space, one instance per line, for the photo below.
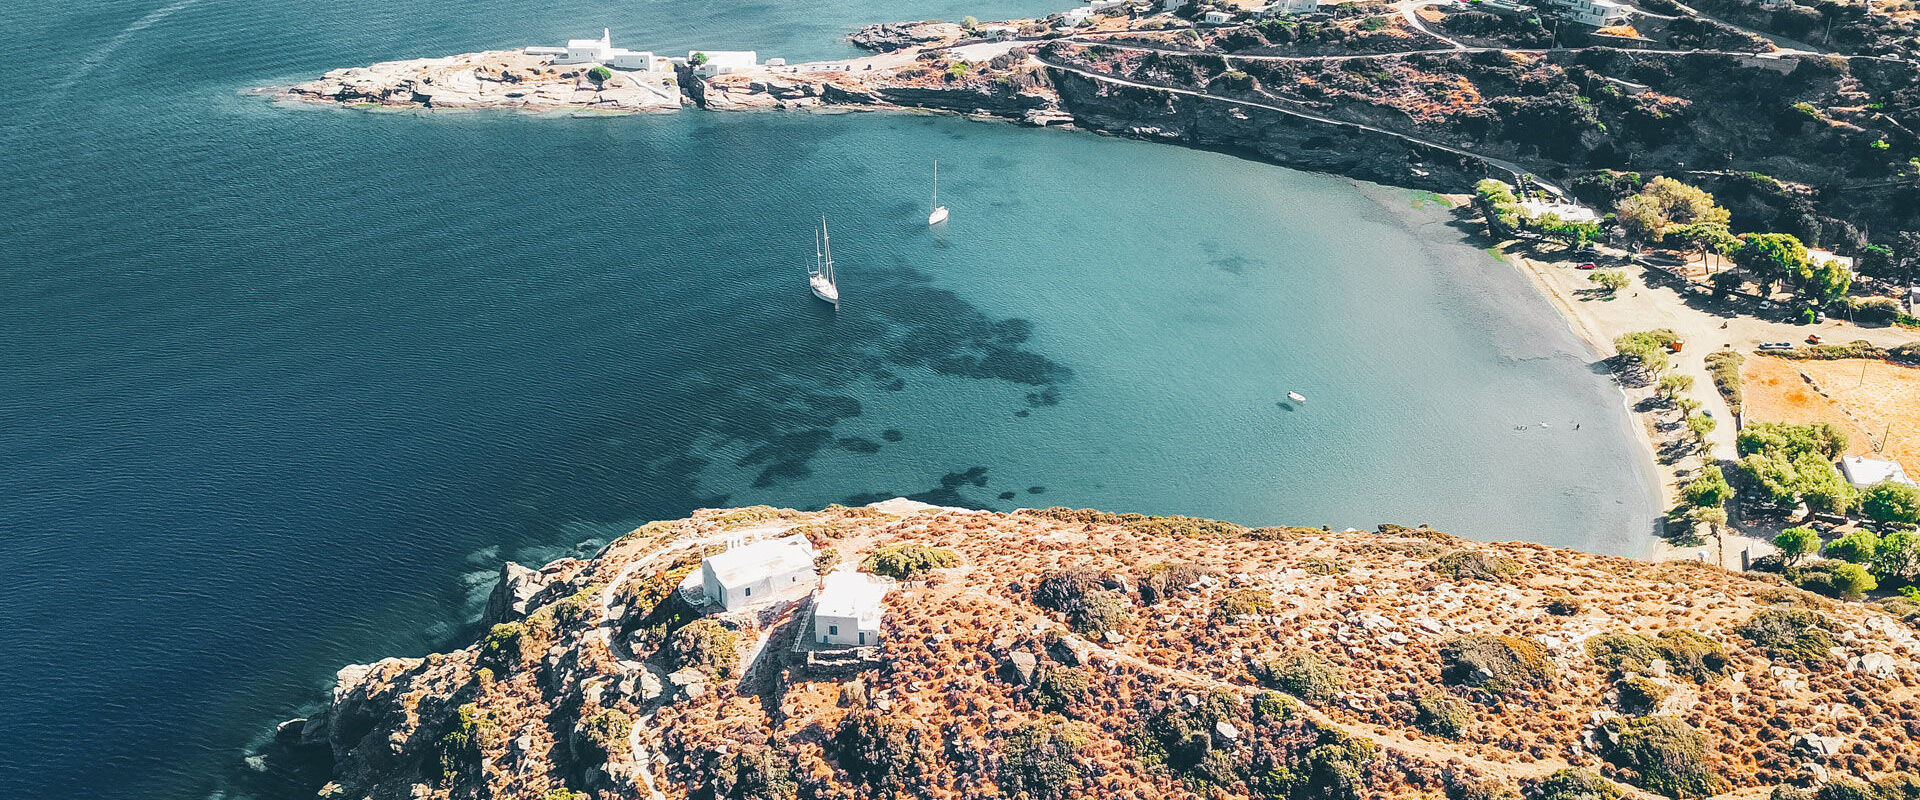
939 214
820 278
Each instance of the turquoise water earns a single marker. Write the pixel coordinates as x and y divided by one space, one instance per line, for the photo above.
284 384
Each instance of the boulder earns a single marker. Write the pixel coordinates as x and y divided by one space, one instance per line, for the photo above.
1021 665
512 596
1817 747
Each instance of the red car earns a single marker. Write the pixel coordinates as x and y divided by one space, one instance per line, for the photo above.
1588 265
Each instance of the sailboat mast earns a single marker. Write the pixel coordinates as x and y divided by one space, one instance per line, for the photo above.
936 183
828 242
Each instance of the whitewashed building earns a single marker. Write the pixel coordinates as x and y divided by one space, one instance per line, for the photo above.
1816 255
1107 6
1598 13
756 573
1216 18
597 51
1863 472
849 607
723 62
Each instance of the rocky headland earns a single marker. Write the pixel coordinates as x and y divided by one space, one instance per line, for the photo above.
1072 653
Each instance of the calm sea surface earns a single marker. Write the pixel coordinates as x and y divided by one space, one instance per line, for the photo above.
280 387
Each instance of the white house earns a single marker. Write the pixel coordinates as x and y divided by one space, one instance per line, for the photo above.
849 607
1216 18
1598 13
1864 472
596 51
758 572
1293 7
723 62
999 32
1816 255
1076 17
1107 6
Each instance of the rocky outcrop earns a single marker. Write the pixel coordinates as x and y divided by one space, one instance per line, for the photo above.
493 80
890 36
517 588
1269 135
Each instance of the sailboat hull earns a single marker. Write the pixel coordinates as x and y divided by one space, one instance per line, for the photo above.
824 289
938 216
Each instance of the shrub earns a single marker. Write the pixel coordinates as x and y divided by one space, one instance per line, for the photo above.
1897 559
1337 768
1708 488
1040 760
564 793
1795 634
1497 664
704 644
1573 783
1180 738
608 731
758 773
1842 579
1561 604
887 755
1464 565
576 607
1891 502
1623 652
1797 543
1661 754
1242 602
1640 695
1857 546
599 75
1724 366
502 645
1610 280
1304 675
1320 565
1692 655
1169 580
1066 591
908 561
1441 714
1059 689
474 733
1100 612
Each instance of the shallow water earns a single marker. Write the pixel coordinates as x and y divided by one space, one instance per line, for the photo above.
284 384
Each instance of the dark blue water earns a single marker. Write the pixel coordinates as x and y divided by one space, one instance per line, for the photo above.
281 386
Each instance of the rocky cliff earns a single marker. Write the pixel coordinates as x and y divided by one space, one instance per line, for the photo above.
1062 653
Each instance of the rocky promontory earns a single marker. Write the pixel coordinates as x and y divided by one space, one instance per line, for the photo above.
501 79
1074 653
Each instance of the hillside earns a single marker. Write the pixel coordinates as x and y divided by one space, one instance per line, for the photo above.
1068 653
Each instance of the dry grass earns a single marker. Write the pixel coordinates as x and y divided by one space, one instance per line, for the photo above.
1886 403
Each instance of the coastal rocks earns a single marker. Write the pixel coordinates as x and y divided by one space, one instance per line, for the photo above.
890 36
493 79
512 596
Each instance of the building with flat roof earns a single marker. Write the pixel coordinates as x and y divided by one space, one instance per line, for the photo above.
1598 13
756 573
1863 472
723 62
849 608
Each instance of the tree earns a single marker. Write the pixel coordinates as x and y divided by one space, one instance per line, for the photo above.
599 75
1701 426
970 23
1705 238
1672 385
1891 502
1567 232
1665 204
1857 547
1040 760
1725 283
1824 281
1771 257
1610 280
697 59
1897 559
1796 544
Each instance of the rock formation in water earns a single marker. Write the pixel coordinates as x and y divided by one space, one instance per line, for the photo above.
1061 653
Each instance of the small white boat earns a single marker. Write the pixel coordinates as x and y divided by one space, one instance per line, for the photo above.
1296 397
939 213
820 278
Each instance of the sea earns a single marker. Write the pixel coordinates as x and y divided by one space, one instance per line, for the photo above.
280 387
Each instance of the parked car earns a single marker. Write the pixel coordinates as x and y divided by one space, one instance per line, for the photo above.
1588 265
1814 339
1776 345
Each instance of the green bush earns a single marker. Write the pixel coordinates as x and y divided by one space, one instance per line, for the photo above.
1787 440
1242 602
502 644
1842 579
1304 675
1662 754
1724 366
576 607
1572 783
564 793
1465 565
474 733
1891 502
1102 611
1797 543
1563 605
1623 652
1857 546
1066 591
1059 689
1708 488
599 75
908 561
755 773
704 644
1497 664
1640 695
608 731
1790 634
1441 714
1691 655
1169 580
1040 760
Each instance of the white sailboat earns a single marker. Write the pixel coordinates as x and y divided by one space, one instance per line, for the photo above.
939 214
820 278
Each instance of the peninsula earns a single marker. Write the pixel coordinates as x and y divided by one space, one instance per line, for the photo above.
905 650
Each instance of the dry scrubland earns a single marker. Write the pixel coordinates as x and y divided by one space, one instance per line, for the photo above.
1886 404
1085 654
